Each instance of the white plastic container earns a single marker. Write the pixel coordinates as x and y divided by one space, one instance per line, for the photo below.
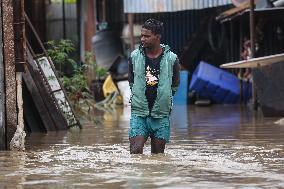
124 89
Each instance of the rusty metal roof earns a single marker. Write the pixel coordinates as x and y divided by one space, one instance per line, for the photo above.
152 6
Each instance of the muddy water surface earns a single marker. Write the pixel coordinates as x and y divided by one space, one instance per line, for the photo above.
211 147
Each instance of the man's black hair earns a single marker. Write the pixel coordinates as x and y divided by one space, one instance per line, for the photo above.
154 25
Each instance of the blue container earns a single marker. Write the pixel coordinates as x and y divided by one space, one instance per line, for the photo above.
215 84
180 97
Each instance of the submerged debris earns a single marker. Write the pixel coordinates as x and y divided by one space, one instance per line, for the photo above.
280 121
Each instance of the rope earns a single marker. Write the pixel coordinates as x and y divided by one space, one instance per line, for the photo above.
18 140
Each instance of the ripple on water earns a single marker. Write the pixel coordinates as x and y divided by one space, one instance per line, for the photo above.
219 155
113 163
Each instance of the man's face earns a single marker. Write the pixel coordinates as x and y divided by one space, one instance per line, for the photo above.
148 38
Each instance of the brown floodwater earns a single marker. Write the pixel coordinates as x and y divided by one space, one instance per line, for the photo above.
210 147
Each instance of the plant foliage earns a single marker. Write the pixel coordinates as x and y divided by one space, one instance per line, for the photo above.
76 85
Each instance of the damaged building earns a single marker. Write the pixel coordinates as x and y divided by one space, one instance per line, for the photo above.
25 79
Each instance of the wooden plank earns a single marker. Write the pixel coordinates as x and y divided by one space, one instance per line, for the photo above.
56 90
255 62
56 95
55 114
32 123
233 11
38 101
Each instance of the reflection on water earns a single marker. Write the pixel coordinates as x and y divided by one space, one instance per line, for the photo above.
216 147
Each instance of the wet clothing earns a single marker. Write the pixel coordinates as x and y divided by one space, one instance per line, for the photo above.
152 67
150 127
144 74
153 82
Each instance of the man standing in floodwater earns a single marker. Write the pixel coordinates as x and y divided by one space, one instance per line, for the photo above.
153 78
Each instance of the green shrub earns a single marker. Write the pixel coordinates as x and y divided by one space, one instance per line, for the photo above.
76 85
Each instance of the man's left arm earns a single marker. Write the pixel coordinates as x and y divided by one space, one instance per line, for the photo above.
175 79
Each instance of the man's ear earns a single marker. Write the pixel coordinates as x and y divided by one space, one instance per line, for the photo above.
159 36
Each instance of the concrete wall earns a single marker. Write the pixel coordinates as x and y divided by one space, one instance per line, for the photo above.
10 72
2 92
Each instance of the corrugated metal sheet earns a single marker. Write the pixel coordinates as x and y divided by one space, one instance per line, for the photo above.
152 6
179 28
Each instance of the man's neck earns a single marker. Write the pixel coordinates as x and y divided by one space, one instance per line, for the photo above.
154 52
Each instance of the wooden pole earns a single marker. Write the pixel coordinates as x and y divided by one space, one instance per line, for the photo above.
131 33
232 41
90 24
240 71
20 38
104 10
252 29
90 31
18 140
252 48
78 11
63 19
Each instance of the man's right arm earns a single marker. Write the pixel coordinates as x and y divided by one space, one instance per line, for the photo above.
130 73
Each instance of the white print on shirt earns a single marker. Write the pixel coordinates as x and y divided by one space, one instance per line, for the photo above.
150 78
